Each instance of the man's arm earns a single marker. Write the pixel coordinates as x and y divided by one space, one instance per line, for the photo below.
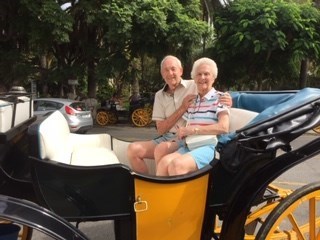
226 99
164 126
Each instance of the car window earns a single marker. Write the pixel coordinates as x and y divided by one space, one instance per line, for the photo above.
47 105
79 106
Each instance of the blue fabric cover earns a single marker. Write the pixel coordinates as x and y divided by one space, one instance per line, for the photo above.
258 102
300 98
270 105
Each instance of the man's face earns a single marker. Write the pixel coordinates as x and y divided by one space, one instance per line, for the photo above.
171 73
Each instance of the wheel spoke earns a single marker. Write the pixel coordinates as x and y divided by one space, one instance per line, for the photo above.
312 218
289 219
140 117
295 226
102 118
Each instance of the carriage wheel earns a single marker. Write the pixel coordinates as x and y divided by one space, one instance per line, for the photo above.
283 222
140 117
149 110
25 232
317 129
112 116
102 118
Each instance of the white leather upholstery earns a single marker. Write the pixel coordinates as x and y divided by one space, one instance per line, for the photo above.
93 156
58 144
239 118
120 149
54 137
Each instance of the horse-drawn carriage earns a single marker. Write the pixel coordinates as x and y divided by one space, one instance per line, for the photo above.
80 178
139 112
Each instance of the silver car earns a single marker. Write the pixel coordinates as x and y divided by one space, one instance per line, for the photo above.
78 116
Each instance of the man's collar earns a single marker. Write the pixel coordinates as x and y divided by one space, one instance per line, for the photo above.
182 83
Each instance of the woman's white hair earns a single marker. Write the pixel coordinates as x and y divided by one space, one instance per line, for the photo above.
204 61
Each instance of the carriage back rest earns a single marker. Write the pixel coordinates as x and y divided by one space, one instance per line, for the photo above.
240 118
172 208
54 142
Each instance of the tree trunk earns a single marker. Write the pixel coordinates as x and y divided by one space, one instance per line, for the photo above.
92 82
135 86
91 67
316 3
303 73
43 75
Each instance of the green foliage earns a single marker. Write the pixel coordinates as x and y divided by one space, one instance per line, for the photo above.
116 16
52 23
105 92
93 41
253 35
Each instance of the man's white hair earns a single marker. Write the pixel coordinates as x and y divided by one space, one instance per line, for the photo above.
172 57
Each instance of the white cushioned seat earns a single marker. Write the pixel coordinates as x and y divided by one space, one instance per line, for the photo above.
240 118
58 144
93 156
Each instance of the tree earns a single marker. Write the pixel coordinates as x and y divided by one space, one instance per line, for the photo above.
167 27
15 56
94 41
262 43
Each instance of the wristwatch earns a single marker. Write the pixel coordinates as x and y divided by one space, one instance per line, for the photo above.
196 130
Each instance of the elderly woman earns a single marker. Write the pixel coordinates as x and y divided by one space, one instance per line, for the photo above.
206 116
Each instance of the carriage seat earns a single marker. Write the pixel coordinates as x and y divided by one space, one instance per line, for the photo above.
57 143
240 118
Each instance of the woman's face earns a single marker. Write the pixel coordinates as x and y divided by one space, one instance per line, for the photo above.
204 79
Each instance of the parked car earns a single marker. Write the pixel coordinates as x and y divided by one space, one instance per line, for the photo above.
77 114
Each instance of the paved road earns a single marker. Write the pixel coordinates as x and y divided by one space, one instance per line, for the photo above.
306 172
127 131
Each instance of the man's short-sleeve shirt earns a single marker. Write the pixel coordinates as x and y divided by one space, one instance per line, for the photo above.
166 104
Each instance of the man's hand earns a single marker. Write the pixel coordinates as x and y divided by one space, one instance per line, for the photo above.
226 99
188 100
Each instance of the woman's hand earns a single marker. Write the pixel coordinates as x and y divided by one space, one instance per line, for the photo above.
182 132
